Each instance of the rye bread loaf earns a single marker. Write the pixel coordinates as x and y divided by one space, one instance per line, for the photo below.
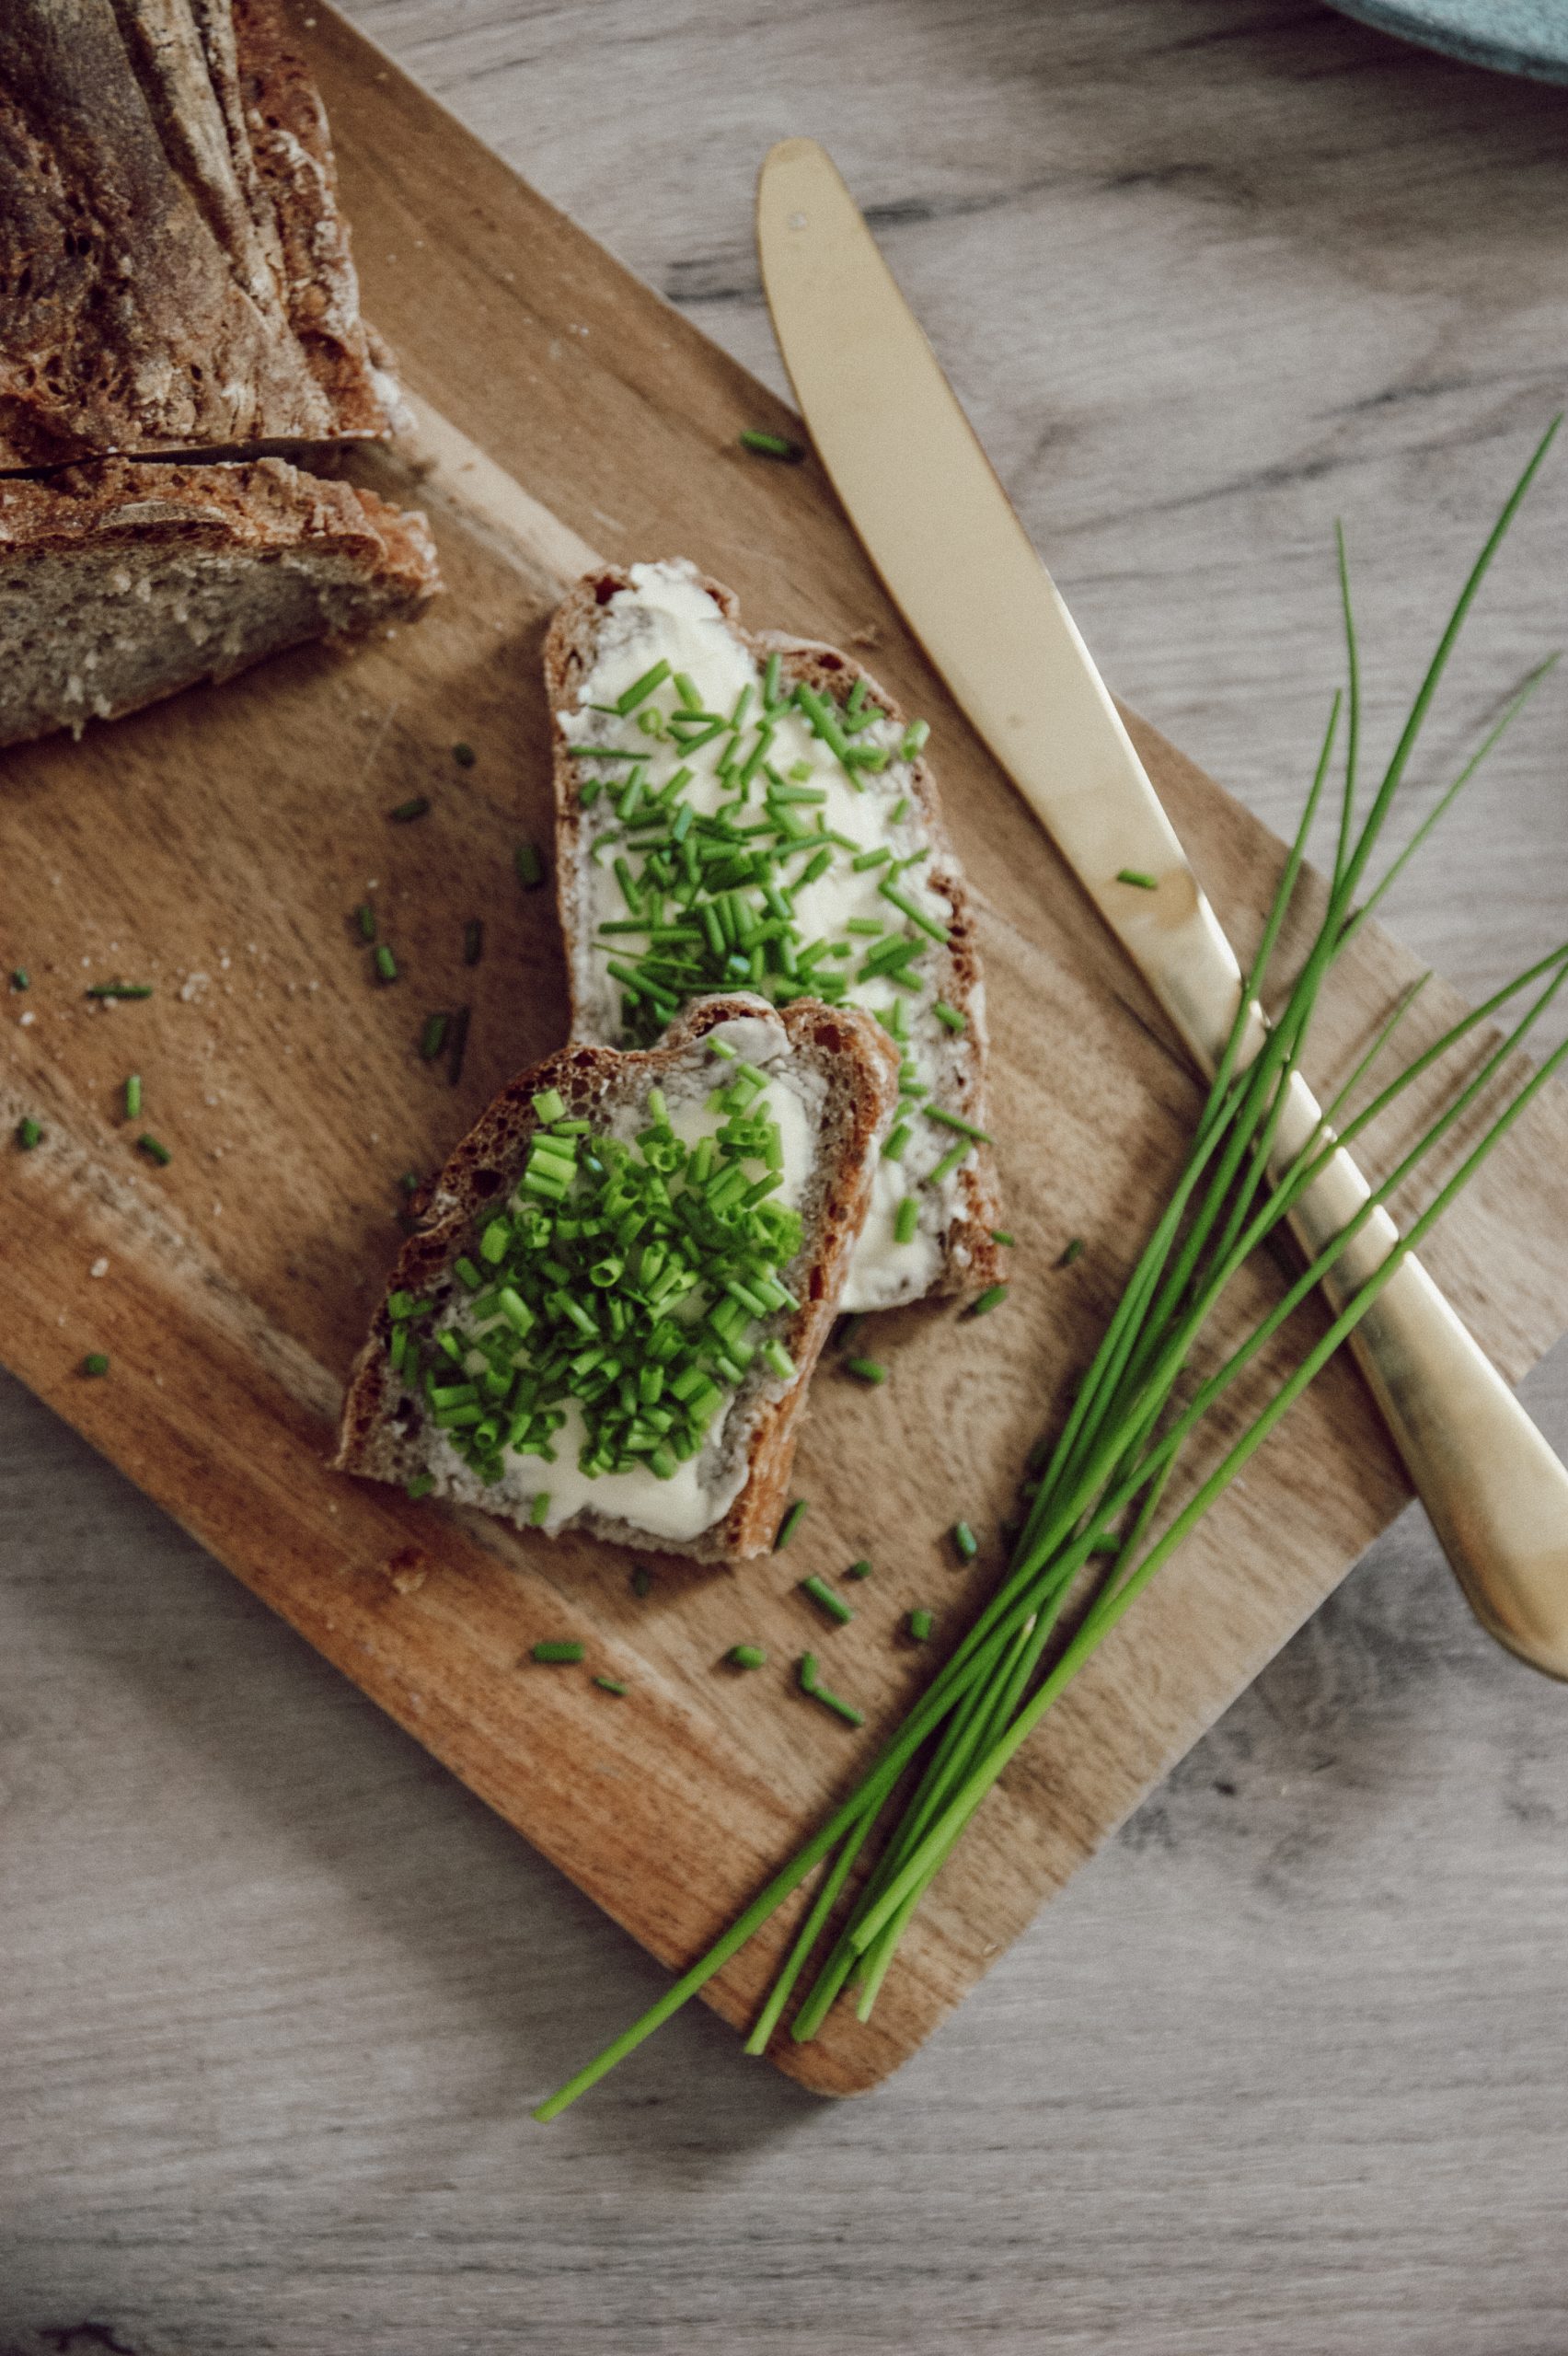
120 583
174 270
966 1258
384 1434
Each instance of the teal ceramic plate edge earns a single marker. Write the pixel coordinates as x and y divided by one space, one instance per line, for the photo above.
1516 36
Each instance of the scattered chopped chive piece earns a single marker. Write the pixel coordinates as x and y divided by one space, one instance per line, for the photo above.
950 1162
920 1624
906 1219
530 866
823 1597
563 1650
549 1104
897 1140
432 1038
20 978
1004 1236
411 1182
465 755
640 689
611 1685
983 1303
120 989
419 1485
939 1114
1071 1251
1135 875
641 1579
861 1570
364 917
916 913
746 1656
417 806
473 941
950 1015
132 1095
915 737
865 1369
790 1523
771 445
96 1362
458 1044
965 1542
385 964
835 1701
539 1512
155 1151
29 1133
778 1358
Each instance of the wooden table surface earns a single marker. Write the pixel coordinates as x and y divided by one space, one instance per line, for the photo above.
1282 2074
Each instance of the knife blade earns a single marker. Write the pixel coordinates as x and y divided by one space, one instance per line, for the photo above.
938 525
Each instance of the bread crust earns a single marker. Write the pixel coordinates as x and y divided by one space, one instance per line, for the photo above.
382 561
174 270
375 1442
969 1259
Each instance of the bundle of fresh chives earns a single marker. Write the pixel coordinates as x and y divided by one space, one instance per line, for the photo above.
1099 1488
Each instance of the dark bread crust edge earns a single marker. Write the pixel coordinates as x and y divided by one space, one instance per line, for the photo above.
482 1168
970 1260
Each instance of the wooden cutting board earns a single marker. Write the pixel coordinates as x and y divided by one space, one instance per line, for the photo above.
217 847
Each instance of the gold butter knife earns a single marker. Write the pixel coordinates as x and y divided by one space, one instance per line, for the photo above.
937 524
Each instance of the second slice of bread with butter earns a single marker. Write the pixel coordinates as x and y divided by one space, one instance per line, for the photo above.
608 1316
738 810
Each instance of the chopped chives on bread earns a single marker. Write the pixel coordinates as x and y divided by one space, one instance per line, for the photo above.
174 270
121 583
827 873
608 1316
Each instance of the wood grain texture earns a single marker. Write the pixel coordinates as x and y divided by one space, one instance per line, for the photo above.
294 2001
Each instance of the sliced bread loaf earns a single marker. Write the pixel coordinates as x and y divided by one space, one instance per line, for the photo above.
121 583
752 811
174 270
609 1315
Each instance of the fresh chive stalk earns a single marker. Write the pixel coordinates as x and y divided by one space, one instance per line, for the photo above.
1103 1476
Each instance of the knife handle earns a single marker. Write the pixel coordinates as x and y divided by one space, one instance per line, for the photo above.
1496 1494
